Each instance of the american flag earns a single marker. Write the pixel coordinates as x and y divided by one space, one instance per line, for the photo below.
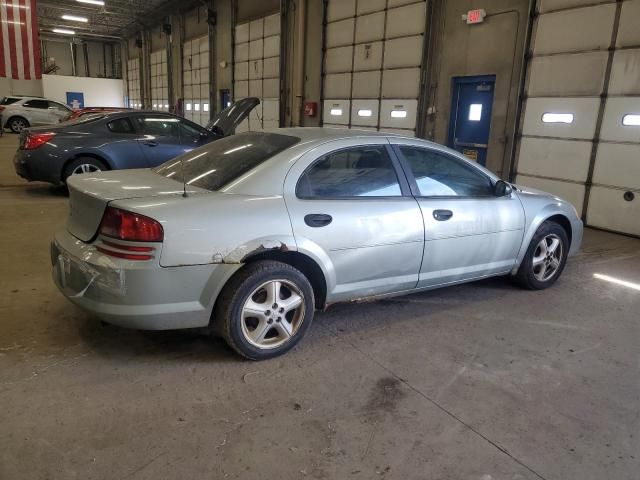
20 46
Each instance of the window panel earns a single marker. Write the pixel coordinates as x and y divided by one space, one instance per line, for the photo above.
354 172
440 175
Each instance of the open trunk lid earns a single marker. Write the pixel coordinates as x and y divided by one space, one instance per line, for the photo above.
89 195
228 119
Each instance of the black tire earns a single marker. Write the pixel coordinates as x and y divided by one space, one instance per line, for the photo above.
526 275
18 124
228 320
78 162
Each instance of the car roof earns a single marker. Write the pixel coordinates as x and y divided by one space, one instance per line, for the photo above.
310 134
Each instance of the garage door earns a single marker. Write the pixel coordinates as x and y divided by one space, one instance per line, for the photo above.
257 70
133 83
581 128
195 77
372 64
159 81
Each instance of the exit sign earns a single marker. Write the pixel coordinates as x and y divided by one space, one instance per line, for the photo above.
475 16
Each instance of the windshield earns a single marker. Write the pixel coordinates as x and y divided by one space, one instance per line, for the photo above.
215 165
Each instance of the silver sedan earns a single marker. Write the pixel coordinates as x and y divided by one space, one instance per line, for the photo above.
251 234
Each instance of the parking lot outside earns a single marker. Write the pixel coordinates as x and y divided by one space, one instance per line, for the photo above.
482 381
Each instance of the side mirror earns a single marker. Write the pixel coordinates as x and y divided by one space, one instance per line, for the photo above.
502 189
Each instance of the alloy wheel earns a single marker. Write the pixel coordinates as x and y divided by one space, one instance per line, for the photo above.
85 168
547 257
272 314
18 125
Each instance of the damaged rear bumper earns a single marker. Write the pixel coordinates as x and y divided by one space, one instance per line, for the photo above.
135 294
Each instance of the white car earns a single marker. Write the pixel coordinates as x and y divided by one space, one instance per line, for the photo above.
18 113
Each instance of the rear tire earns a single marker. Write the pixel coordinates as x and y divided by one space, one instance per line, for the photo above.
18 124
265 309
545 259
83 165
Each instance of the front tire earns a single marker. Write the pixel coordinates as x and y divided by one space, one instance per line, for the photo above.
18 124
265 309
545 259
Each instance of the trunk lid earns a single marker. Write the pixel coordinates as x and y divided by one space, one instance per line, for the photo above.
228 119
89 195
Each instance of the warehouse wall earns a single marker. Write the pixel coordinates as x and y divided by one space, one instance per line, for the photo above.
494 47
588 74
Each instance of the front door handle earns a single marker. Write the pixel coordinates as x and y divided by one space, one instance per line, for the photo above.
317 220
442 215
151 143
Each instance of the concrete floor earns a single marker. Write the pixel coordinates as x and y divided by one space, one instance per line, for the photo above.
484 381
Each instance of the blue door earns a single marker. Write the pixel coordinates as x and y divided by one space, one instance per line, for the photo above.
471 116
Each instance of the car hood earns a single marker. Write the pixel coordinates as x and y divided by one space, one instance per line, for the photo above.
229 118
90 193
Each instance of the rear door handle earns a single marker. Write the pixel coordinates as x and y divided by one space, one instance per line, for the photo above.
318 220
151 143
442 215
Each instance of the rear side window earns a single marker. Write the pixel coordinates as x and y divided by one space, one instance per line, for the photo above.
158 126
365 171
221 162
8 100
36 104
441 175
120 125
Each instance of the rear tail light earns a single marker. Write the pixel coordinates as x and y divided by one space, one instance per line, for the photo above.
1 109
129 227
36 140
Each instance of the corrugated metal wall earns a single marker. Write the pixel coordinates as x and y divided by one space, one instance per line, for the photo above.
372 64
257 70
580 136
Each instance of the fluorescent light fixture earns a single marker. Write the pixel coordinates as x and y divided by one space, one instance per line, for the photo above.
75 18
398 114
364 112
617 281
336 112
92 2
631 120
557 118
64 31
475 112
188 107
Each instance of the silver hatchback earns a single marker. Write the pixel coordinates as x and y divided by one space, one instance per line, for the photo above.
251 234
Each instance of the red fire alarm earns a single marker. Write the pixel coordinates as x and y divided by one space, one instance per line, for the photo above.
310 109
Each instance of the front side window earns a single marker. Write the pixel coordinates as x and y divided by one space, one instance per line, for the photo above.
440 175
158 126
365 171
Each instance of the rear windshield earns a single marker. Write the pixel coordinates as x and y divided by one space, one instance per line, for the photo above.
223 161
8 100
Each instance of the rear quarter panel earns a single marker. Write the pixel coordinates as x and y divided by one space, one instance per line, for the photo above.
216 227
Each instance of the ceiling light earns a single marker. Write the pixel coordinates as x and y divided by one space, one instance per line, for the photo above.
75 18
92 2
63 31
